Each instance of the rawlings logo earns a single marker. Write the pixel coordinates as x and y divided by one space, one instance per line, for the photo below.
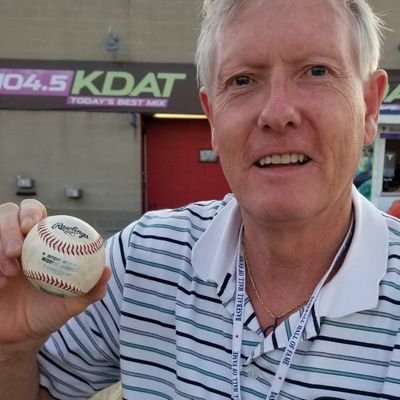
70 230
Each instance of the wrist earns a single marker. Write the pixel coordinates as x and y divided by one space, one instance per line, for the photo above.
17 353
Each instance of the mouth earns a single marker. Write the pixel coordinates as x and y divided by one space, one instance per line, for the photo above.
283 159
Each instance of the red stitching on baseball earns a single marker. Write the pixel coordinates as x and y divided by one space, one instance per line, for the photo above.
46 237
40 276
51 243
68 248
57 245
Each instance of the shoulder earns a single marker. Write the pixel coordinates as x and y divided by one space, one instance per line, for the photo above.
188 222
393 267
168 230
393 225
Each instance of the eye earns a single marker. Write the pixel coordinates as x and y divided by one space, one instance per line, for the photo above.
318 70
241 80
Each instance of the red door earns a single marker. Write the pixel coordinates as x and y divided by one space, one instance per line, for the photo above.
174 174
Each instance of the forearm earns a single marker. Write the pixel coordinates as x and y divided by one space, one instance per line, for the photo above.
19 377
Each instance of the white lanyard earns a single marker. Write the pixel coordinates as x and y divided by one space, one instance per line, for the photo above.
294 340
238 321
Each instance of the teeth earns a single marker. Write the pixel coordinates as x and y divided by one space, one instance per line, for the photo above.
277 159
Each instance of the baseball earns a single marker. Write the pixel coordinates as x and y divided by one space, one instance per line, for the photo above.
63 256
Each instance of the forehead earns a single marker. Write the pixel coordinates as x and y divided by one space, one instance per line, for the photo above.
260 26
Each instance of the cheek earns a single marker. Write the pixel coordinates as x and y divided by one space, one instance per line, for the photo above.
228 134
353 107
349 119
347 152
228 146
221 144
340 123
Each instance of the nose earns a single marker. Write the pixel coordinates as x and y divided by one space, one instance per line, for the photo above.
279 112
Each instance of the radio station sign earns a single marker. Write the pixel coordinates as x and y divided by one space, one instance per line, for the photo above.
134 87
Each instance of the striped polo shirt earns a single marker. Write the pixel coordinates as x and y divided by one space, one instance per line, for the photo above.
165 326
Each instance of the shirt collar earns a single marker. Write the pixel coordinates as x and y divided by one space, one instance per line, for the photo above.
215 255
355 286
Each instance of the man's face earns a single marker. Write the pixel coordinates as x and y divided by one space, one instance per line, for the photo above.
288 109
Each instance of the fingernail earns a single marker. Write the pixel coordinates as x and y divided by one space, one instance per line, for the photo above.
13 246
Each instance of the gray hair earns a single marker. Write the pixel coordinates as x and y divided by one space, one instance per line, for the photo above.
216 13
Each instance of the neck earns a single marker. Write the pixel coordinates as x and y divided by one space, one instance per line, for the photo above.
282 278
287 264
295 247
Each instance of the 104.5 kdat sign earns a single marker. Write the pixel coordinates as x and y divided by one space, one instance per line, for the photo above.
99 87
120 83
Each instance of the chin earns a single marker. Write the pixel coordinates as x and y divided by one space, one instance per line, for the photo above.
288 208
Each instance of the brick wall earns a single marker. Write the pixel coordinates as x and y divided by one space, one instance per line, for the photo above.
99 153
149 30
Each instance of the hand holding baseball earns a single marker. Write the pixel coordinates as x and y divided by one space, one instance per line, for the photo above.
29 315
63 255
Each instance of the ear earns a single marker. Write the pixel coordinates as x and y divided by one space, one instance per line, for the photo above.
373 97
208 110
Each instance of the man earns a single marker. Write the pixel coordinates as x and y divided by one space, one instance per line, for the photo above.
287 289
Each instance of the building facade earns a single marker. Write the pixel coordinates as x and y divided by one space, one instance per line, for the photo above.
81 160
80 82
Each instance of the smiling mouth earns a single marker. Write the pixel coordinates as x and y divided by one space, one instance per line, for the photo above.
283 159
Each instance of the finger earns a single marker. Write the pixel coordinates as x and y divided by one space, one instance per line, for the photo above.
10 232
76 305
9 267
100 289
31 212
3 281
